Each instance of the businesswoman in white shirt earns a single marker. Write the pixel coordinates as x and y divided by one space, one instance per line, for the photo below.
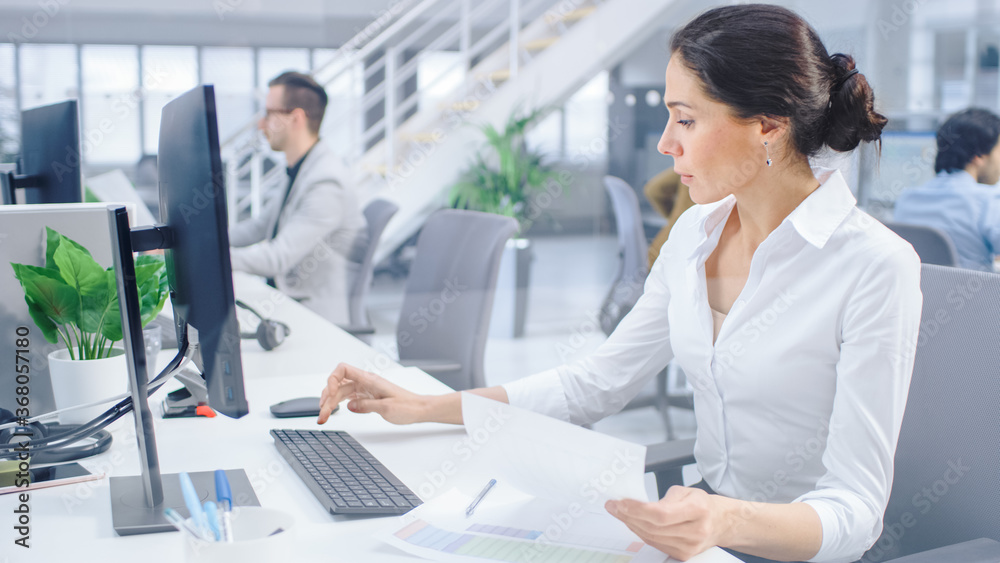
793 313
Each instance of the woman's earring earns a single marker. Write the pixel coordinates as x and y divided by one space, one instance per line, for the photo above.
768 153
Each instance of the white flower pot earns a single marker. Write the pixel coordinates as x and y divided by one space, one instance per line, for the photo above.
77 382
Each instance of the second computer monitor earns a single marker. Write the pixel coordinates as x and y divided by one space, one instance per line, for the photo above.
193 207
50 153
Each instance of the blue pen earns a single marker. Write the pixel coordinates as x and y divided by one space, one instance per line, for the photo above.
212 515
479 498
225 498
193 505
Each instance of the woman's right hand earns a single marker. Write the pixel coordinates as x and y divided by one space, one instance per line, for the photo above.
370 393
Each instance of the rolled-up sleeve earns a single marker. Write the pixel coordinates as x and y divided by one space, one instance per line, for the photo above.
605 381
880 329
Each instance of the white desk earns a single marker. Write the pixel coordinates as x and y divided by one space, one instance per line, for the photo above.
73 523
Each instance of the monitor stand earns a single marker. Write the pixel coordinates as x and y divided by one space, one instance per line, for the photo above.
130 515
11 181
8 192
183 402
138 501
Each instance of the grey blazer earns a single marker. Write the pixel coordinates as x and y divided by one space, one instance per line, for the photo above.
308 258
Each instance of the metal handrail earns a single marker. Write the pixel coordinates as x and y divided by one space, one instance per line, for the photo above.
349 48
396 37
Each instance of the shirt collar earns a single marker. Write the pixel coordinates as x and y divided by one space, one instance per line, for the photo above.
709 225
293 170
958 177
819 215
815 219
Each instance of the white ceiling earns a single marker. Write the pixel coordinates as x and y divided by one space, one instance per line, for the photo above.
242 8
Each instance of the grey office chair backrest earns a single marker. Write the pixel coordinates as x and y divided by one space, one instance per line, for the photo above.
934 246
377 215
946 487
632 246
449 295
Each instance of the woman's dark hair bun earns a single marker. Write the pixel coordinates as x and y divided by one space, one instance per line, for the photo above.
851 116
765 60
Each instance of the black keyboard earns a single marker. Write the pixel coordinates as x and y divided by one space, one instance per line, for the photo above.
343 475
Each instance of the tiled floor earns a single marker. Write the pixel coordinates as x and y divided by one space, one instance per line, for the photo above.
569 279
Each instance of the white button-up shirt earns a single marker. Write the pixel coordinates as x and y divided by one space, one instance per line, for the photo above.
801 397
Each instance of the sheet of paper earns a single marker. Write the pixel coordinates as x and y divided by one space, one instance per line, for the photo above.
551 459
114 186
528 530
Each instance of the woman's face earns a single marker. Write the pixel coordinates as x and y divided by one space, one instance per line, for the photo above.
715 154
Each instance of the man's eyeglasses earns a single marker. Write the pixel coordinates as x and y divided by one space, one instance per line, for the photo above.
268 112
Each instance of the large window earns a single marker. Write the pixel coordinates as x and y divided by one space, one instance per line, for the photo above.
124 89
231 71
579 130
342 123
272 62
9 117
587 120
110 120
439 75
167 72
48 74
547 136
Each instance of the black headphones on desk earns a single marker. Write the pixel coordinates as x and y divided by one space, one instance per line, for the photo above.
98 443
270 334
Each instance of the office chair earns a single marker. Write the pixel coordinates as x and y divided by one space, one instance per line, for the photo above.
951 423
445 317
627 288
934 246
362 266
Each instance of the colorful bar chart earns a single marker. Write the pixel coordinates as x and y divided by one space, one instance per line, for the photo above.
566 537
506 544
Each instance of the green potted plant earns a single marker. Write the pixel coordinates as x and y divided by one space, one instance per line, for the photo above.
506 175
74 301
504 178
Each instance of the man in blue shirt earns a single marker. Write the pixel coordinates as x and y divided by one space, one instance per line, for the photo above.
962 200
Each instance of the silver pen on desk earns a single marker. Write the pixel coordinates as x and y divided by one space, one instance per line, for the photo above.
479 498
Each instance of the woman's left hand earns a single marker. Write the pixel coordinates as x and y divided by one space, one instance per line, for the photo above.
684 523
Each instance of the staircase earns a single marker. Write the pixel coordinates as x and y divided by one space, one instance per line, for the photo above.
510 54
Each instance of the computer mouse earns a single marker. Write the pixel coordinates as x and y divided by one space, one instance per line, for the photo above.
303 406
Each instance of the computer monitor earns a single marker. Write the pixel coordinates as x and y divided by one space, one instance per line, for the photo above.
193 208
906 160
49 165
194 236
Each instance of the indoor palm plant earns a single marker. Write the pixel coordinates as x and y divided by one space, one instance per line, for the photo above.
73 300
503 179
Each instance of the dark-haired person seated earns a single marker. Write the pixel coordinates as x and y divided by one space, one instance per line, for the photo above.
962 200
670 198
302 238
794 314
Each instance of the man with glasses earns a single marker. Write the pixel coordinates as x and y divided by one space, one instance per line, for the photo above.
303 236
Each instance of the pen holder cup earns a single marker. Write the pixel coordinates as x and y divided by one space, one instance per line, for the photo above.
254 538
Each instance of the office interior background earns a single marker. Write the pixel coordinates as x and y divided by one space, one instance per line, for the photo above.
410 83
